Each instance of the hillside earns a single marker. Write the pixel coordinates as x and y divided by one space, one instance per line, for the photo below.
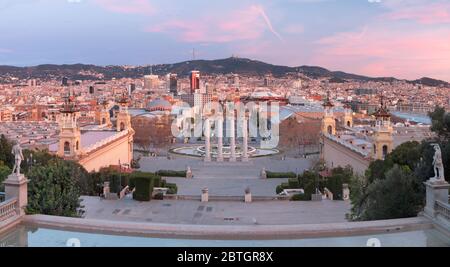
240 66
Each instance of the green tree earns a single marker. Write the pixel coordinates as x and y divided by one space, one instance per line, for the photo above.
53 190
5 152
397 196
4 172
440 123
339 176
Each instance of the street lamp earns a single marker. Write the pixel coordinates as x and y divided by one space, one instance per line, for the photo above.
120 176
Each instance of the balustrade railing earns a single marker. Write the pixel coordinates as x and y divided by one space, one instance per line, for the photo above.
442 209
8 209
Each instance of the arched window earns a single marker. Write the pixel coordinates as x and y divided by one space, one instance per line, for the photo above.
374 149
66 148
122 126
385 151
348 124
330 129
78 145
103 121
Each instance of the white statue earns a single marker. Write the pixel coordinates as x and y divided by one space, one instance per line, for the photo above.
189 172
18 156
438 165
264 173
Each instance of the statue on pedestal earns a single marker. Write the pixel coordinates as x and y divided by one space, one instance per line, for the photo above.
18 157
189 172
438 165
264 173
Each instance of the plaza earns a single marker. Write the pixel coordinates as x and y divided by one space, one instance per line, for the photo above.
216 212
226 178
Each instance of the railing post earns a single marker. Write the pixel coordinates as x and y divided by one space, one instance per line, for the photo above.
16 186
435 192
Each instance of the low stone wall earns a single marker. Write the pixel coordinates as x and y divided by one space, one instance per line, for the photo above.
230 232
227 198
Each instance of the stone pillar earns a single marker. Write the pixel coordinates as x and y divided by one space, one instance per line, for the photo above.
245 140
345 192
233 139
205 194
106 189
220 140
435 191
263 173
208 140
248 195
189 174
16 186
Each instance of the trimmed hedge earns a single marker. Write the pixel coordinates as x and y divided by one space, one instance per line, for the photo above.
272 175
167 173
144 189
293 183
144 184
299 197
173 189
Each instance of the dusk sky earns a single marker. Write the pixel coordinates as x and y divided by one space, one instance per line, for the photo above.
402 38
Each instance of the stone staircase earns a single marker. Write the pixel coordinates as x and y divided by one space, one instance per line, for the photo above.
225 170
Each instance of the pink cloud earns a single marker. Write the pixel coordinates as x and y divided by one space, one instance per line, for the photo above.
127 7
386 51
425 13
245 24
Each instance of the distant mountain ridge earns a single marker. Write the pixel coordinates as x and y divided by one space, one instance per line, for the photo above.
235 65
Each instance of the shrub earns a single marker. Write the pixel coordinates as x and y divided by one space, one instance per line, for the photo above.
144 189
159 196
281 175
173 189
167 173
144 184
299 197
293 183
279 189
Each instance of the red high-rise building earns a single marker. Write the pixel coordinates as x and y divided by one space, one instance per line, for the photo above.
195 80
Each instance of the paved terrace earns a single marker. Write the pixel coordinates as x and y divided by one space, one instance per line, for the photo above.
226 178
216 213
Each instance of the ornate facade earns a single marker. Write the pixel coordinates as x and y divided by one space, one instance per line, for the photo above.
99 145
351 147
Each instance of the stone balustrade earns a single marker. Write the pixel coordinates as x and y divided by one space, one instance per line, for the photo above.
8 209
442 209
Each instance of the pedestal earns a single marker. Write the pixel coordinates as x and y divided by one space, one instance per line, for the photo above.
106 189
435 191
248 198
16 186
205 195
263 174
189 174
345 192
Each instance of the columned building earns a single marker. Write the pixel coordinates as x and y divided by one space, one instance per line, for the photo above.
382 138
350 147
96 146
102 115
328 121
70 135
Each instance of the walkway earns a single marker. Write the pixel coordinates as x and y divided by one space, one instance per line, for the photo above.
217 213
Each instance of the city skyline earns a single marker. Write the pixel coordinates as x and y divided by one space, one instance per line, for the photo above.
404 39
